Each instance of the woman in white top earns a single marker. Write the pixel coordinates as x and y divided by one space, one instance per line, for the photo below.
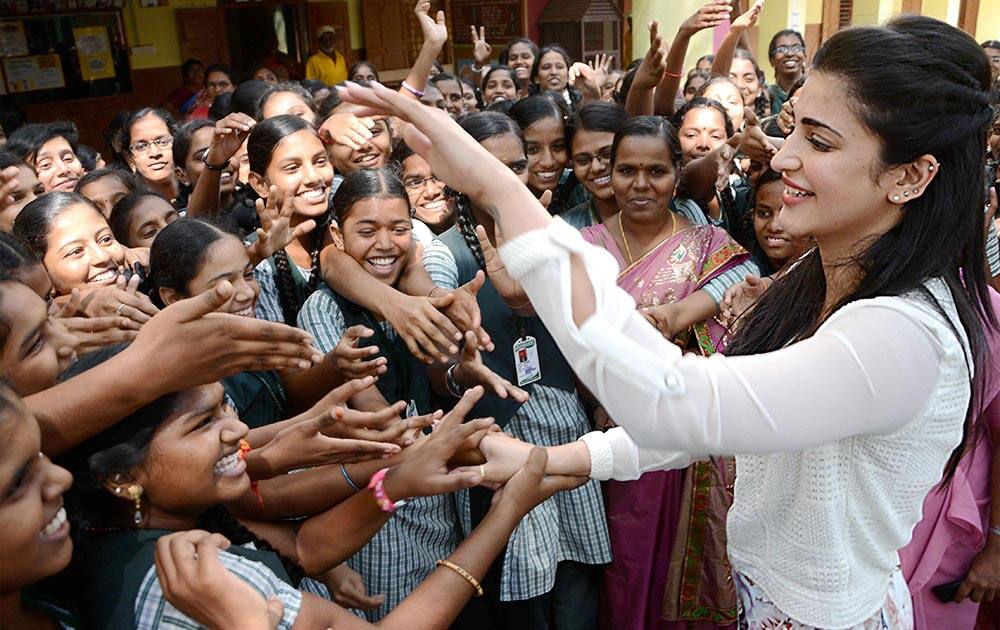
863 369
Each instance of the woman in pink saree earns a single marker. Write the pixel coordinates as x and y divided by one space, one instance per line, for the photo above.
669 567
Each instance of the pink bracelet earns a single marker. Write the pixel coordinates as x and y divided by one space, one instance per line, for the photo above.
378 491
412 90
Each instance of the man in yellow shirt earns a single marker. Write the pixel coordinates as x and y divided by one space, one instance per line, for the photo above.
327 65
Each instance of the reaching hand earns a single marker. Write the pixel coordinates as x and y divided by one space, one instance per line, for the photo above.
348 589
471 371
354 362
710 15
529 486
227 137
464 310
347 130
739 297
510 290
9 184
982 584
590 78
424 472
428 334
435 30
275 232
481 51
121 300
650 71
305 444
191 344
195 582
386 425
660 316
748 19
753 140
786 117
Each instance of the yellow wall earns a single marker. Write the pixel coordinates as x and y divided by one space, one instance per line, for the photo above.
157 27
988 22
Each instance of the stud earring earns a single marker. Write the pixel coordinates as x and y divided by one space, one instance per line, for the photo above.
906 193
915 191
930 168
118 490
895 197
135 493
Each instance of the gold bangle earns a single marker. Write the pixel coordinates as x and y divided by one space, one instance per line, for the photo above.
468 576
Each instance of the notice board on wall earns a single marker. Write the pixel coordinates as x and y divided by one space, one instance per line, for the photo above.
502 19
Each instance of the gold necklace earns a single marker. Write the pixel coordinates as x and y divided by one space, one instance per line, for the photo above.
621 230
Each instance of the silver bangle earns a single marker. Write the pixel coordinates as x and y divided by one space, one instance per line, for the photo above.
995 530
454 387
347 478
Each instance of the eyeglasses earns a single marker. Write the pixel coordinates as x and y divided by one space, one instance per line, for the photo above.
163 142
417 184
584 159
784 50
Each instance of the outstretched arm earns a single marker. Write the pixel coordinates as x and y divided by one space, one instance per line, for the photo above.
711 15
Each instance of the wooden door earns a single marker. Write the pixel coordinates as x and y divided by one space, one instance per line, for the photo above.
202 35
386 34
333 14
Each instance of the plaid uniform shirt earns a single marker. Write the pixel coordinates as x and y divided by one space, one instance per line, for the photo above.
269 300
153 611
569 526
404 551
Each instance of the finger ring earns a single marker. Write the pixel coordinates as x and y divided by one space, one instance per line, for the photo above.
482 470
118 311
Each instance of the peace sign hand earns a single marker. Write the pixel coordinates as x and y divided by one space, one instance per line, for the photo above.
481 50
653 65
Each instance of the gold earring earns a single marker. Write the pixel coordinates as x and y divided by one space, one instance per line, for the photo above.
135 493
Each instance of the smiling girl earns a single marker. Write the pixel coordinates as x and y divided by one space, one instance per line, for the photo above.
147 140
591 134
288 159
49 148
74 242
541 119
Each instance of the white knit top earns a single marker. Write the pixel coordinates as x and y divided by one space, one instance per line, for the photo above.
838 437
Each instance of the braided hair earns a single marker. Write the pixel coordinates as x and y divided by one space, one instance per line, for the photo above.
218 520
264 138
481 126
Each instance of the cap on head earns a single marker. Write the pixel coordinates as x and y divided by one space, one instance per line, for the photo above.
323 30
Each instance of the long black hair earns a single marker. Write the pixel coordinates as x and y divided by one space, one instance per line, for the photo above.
550 48
357 65
937 105
505 53
773 46
761 102
260 146
15 258
277 88
119 450
481 126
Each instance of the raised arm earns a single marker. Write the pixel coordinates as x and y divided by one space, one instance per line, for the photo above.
227 138
187 344
859 381
648 75
724 55
708 16
435 32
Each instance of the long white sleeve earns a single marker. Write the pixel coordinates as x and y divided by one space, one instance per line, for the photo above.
867 371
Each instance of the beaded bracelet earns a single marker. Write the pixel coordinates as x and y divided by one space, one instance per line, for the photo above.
468 576
412 90
378 491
